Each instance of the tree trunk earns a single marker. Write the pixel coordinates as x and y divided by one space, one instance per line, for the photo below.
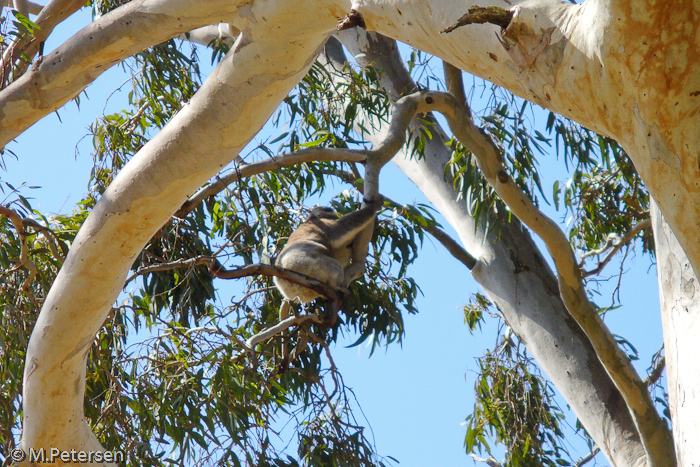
512 272
624 69
247 86
679 291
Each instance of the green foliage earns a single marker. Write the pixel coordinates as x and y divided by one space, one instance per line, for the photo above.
163 79
509 127
516 408
474 311
169 373
223 404
21 296
605 195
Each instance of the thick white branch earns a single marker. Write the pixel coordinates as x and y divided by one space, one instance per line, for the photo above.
528 297
229 109
652 429
207 34
66 71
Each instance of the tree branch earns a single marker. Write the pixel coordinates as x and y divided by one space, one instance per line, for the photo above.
243 170
32 7
655 435
450 244
657 368
217 270
279 327
23 48
179 264
94 49
645 224
21 7
49 236
455 83
24 249
588 457
490 461
481 15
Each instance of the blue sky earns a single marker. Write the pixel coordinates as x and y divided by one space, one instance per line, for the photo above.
416 396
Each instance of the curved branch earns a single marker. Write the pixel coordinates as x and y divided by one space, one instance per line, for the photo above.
219 271
269 270
657 368
450 244
455 83
49 236
280 327
23 49
81 59
248 170
179 264
654 433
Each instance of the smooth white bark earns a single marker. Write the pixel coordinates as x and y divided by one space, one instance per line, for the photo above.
229 109
66 71
528 299
621 70
679 291
624 70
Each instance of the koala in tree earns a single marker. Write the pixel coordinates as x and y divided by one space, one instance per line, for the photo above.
327 248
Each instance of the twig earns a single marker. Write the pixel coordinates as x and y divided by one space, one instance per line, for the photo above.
178 264
248 170
24 249
490 461
645 224
454 248
50 237
657 368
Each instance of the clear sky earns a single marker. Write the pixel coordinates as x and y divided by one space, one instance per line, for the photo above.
415 396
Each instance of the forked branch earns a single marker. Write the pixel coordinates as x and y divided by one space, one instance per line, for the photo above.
652 430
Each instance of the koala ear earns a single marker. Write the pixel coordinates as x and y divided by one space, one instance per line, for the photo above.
323 212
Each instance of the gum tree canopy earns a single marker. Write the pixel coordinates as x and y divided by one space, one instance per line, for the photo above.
620 81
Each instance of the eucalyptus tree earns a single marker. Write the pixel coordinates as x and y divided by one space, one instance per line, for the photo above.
156 217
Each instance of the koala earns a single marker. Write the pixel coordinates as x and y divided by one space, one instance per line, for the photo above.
327 248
